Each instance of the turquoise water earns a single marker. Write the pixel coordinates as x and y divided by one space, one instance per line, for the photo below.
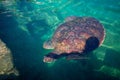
26 24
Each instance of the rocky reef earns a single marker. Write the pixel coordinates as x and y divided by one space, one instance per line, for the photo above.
6 62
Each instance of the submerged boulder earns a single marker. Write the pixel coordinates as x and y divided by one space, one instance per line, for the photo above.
6 61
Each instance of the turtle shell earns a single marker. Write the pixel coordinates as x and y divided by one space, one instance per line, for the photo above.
78 35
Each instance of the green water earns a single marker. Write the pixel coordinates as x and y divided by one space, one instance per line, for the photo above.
26 24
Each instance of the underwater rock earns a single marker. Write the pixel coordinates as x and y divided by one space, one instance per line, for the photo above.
6 63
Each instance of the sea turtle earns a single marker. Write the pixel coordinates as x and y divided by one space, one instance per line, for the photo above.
74 38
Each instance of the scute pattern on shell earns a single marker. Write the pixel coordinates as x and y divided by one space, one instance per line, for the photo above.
71 36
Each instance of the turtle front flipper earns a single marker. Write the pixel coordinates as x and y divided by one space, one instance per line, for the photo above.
76 56
48 59
51 57
48 44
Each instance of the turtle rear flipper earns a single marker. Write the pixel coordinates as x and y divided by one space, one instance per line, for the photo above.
48 44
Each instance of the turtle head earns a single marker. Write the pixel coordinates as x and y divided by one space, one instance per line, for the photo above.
48 44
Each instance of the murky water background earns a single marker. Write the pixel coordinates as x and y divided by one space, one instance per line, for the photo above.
26 24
